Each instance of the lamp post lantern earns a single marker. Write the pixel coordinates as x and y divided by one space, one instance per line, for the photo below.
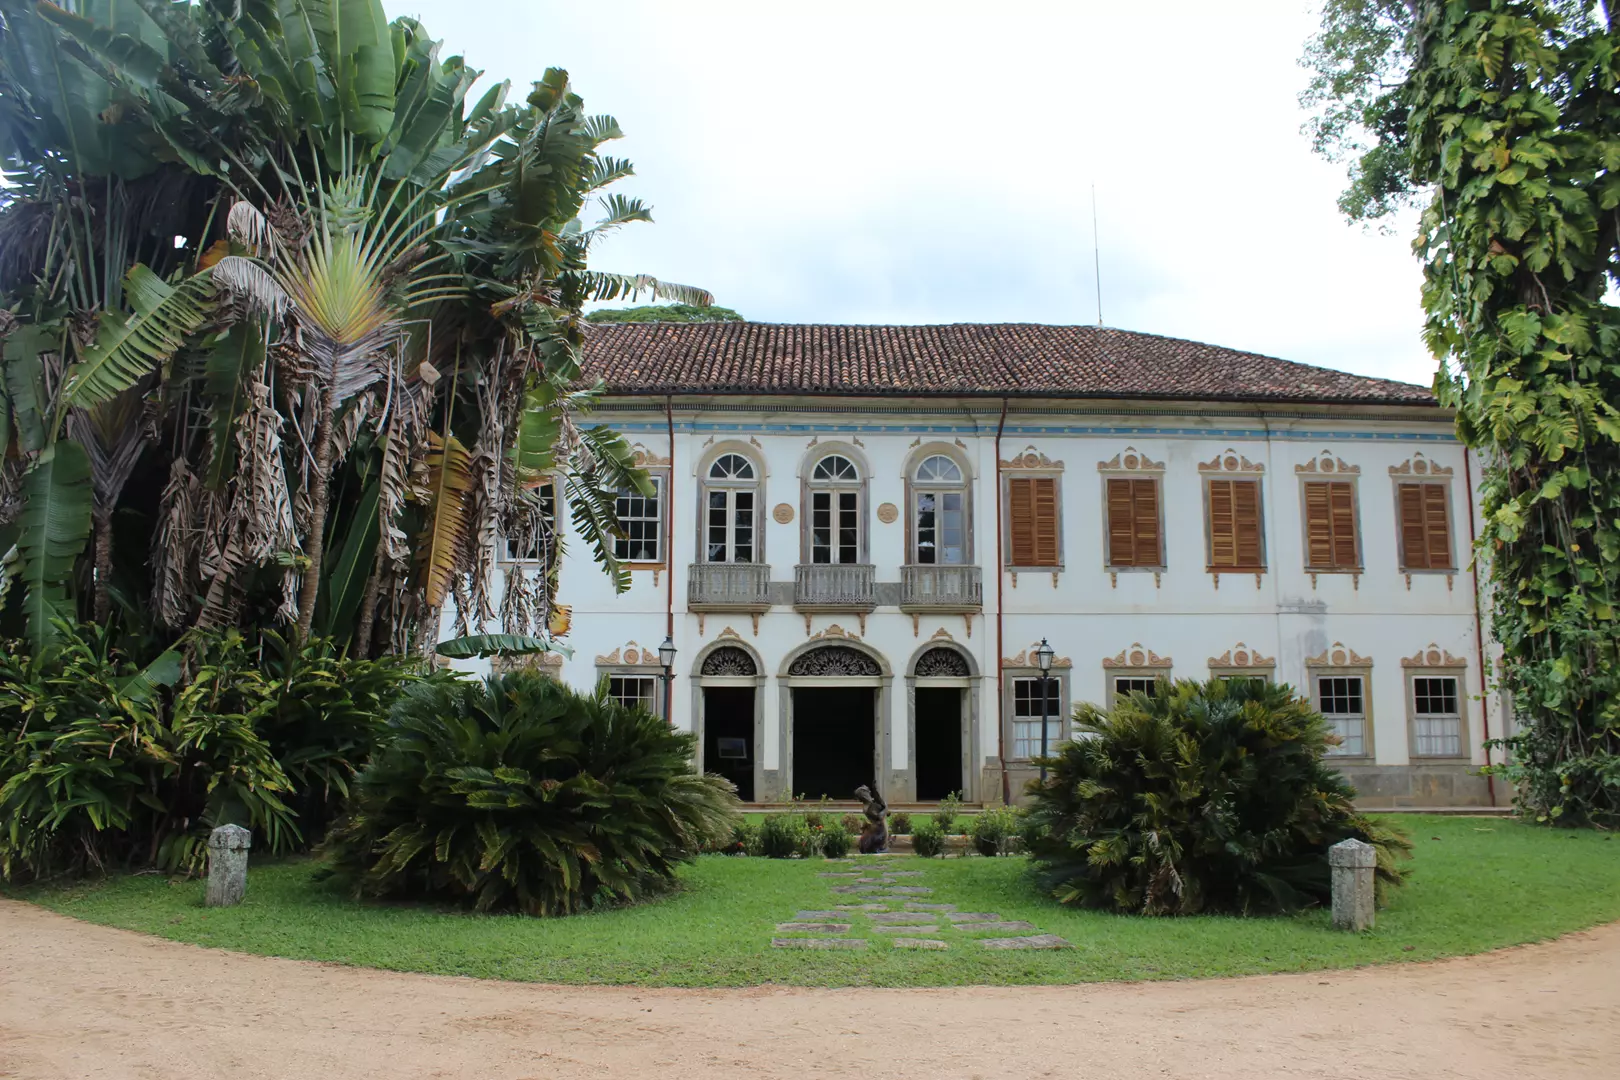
666 658
1043 660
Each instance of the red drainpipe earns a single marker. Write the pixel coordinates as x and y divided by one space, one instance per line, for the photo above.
1479 627
1001 689
669 567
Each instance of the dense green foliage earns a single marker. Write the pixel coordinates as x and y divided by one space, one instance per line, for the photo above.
835 840
103 764
996 830
1502 118
782 836
899 823
1475 885
928 839
664 313
1202 797
946 812
517 793
290 324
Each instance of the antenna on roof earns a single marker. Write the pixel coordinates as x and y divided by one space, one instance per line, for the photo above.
1096 252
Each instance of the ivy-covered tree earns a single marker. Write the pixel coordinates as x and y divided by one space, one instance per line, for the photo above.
1501 120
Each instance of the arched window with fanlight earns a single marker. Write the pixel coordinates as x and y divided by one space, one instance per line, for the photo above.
730 505
835 511
939 519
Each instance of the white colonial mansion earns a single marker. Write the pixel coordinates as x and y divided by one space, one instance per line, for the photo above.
862 534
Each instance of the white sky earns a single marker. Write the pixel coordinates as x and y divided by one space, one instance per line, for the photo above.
932 162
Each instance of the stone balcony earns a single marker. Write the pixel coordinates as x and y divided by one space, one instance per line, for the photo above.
952 589
729 587
835 587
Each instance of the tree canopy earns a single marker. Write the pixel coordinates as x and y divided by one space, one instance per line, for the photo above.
664 313
1500 119
291 322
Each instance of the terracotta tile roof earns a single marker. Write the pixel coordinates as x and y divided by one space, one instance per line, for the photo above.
960 359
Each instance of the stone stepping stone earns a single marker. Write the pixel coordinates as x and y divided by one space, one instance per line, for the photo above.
840 873
817 943
1037 941
819 916
859 907
912 905
909 928
898 917
815 927
1011 926
973 916
902 873
919 943
910 890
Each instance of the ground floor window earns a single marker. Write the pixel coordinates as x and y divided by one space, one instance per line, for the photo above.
1436 716
635 691
1342 700
1124 685
1027 716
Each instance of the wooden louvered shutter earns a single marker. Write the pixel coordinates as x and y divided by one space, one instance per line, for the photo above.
1222 540
1235 541
1437 526
1021 515
1133 522
1342 503
1246 522
1330 525
1425 527
1032 513
1046 522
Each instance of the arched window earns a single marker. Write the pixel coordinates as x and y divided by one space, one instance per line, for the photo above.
835 511
939 513
730 498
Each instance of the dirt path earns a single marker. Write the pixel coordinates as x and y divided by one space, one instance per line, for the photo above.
82 1002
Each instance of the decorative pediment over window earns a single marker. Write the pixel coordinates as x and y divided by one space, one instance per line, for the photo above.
729 660
632 655
1230 461
1433 656
1026 659
942 663
1137 656
835 631
1338 655
645 458
835 661
1031 458
1130 460
1419 465
1328 463
1241 656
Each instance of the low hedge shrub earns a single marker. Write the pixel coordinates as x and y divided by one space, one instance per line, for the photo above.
928 839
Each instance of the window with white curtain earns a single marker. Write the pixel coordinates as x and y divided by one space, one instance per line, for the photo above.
835 511
939 513
1436 716
730 503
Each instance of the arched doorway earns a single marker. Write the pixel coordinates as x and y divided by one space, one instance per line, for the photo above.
941 696
835 695
728 679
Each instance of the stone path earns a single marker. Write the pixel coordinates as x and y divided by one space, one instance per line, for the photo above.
892 911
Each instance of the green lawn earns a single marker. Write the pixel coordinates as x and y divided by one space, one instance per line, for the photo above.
1477 884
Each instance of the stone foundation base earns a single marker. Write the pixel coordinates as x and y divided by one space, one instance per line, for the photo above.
1391 786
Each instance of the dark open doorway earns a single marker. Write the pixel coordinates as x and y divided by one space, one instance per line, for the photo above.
728 736
939 741
834 740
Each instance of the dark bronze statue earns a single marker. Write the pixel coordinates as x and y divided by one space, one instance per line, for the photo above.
875 833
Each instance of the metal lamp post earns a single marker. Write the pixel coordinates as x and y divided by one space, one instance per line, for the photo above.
1043 660
666 657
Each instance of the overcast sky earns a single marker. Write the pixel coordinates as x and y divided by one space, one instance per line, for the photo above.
887 162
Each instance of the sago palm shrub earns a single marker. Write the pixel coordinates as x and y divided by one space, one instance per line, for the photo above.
1198 797
517 793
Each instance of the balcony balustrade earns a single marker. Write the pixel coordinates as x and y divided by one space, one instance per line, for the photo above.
941 588
834 587
729 587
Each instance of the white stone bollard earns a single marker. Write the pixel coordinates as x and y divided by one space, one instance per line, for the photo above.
227 865
1353 863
